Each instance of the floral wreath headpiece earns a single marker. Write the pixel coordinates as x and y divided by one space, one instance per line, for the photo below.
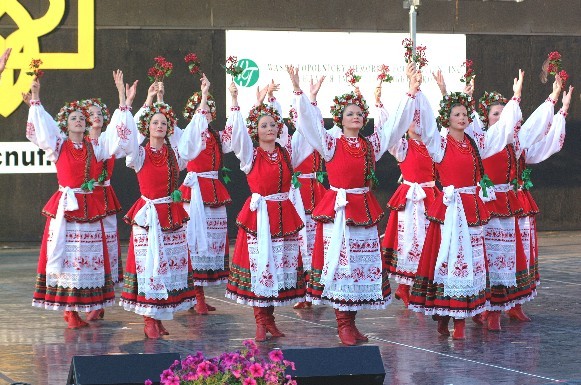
157 108
194 102
98 103
341 102
486 101
63 115
258 112
454 99
292 118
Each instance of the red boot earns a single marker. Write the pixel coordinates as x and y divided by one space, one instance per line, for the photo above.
459 325
358 335
302 305
494 321
270 325
260 316
403 293
73 320
443 322
162 330
518 314
151 330
96 314
346 332
200 307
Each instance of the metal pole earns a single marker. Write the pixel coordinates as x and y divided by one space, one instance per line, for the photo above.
413 14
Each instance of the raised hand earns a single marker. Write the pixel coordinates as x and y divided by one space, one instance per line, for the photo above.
26 98
234 94
557 88
160 92
410 70
439 78
377 93
567 98
35 89
469 87
294 76
4 59
315 87
272 88
261 94
415 82
118 77
130 92
205 85
517 84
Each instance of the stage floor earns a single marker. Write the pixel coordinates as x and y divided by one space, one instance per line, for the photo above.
36 348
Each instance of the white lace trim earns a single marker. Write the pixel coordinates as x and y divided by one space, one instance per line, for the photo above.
500 240
262 302
448 312
163 313
70 307
377 305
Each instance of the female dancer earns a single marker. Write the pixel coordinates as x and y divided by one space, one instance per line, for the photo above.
266 270
451 276
158 278
99 117
205 198
347 270
73 269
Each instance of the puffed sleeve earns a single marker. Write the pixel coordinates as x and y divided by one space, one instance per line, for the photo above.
116 140
550 144
312 128
42 130
241 141
193 139
535 127
502 132
435 143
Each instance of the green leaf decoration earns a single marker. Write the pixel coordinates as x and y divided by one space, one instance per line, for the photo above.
484 183
176 196
225 172
103 176
371 176
295 180
320 175
526 178
88 185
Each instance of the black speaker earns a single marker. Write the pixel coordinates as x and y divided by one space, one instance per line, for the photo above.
119 369
354 365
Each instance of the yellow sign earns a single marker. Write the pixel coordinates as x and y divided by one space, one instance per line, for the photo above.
25 46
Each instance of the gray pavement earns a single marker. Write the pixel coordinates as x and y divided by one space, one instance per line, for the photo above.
36 347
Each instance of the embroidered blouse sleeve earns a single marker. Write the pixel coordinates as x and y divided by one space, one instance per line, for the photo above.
42 130
380 116
226 136
193 139
242 142
502 132
435 143
116 140
135 155
550 144
312 128
394 128
535 127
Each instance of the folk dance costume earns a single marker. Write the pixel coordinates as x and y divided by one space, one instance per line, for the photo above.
205 198
158 280
266 269
104 191
536 153
451 279
347 270
406 228
308 166
510 285
74 273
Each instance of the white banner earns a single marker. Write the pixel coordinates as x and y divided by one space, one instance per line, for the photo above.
23 158
264 55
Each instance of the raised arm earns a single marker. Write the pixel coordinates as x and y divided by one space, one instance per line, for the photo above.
435 143
241 141
193 139
41 129
308 123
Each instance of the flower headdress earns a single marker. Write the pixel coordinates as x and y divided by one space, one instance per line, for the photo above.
454 99
157 108
98 103
258 112
194 101
63 115
340 102
486 101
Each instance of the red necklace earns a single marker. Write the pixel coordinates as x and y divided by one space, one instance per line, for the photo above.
158 157
79 154
271 157
354 146
463 146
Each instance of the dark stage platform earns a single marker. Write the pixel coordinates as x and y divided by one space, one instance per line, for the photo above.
35 346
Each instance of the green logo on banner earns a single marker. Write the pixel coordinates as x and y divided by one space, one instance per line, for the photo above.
251 73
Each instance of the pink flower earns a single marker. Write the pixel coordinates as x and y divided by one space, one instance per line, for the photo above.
256 370
249 381
204 369
275 355
148 382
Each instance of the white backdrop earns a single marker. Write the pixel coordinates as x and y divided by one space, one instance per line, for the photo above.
332 54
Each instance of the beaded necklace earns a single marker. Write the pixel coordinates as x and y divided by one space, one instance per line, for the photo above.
158 157
354 146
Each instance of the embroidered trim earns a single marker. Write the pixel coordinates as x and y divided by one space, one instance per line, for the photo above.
299 92
235 108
